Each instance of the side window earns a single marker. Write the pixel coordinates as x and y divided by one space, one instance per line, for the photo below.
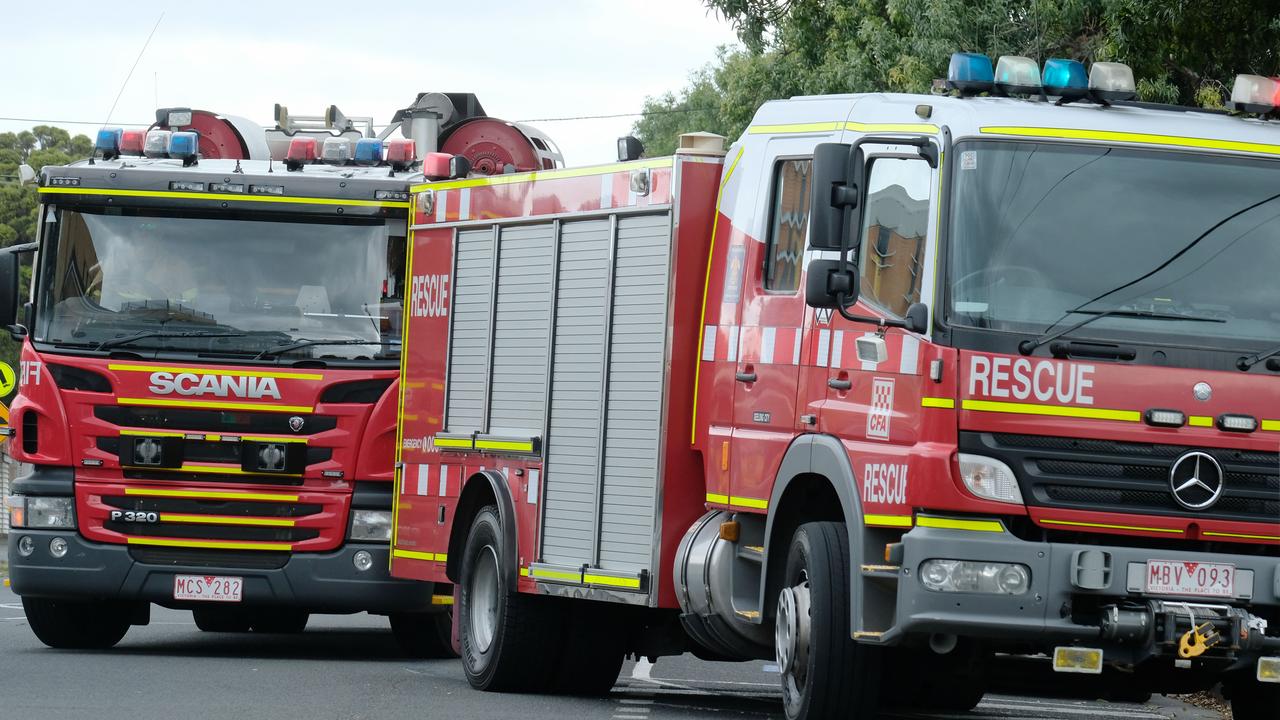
788 225
893 232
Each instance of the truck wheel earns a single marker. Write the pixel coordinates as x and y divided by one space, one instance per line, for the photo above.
825 674
923 679
73 625
424 635
1253 700
509 641
222 619
592 651
280 621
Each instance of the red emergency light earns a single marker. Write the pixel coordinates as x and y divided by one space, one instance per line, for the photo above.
302 150
131 141
436 165
401 153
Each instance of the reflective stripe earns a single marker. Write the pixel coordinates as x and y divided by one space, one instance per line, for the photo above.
1138 138
1200 421
452 442
706 285
524 572
665 162
152 433
225 520
625 582
219 545
415 555
1272 425
441 599
748 502
792 128
547 574
887 520
1054 410
1242 535
211 371
525 446
938 402
1076 523
211 494
717 499
269 438
954 524
929 128
164 402
213 470
818 127
225 196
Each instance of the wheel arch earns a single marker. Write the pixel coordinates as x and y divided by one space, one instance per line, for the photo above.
815 482
481 489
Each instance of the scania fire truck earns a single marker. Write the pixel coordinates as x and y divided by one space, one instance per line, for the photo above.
900 386
209 370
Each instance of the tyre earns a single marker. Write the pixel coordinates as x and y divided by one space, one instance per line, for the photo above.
76 625
1253 700
825 674
509 641
591 652
222 619
280 621
925 680
424 635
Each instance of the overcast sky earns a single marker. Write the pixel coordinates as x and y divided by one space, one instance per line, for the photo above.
67 59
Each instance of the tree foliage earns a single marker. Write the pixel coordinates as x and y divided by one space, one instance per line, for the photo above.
1182 51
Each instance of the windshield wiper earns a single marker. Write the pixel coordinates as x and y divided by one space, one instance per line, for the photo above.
272 352
1245 363
126 339
1026 347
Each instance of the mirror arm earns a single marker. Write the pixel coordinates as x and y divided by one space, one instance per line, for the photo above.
881 324
23 248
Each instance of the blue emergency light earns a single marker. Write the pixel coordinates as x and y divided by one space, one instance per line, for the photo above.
970 73
1066 79
368 151
108 142
184 146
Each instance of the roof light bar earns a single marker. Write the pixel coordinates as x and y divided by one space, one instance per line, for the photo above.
368 151
1017 75
401 154
131 141
302 150
1066 79
970 73
1112 82
1255 94
336 150
156 144
185 146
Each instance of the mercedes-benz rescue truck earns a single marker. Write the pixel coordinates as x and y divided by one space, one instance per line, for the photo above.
899 384
209 368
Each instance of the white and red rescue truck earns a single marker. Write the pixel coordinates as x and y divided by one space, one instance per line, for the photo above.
1048 424
209 367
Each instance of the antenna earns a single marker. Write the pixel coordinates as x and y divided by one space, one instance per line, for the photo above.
132 68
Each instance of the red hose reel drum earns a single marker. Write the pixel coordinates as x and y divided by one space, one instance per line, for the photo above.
492 145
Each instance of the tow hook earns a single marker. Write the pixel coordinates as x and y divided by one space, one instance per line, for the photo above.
1195 641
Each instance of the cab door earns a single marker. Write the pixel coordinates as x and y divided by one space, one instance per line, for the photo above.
771 329
874 406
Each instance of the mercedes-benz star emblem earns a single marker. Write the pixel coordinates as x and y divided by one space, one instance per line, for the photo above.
1203 391
1196 480
296 423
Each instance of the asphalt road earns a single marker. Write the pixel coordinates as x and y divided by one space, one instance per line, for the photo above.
347 668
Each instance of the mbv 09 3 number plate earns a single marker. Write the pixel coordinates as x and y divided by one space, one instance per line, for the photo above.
1190 579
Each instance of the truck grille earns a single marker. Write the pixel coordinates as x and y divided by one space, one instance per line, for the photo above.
189 557
1128 477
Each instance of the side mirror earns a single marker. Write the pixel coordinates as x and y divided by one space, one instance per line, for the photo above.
917 319
828 282
831 195
26 174
8 287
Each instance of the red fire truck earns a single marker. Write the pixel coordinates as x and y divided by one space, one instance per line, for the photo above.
209 369
898 385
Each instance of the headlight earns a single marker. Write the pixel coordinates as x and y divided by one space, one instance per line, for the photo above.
42 512
989 479
371 525
976 577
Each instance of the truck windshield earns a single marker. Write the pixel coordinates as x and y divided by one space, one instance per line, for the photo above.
225 285
1183 247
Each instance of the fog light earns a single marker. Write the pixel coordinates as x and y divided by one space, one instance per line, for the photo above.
975 577
362 560
1077 660
58 547
1269 669
26 546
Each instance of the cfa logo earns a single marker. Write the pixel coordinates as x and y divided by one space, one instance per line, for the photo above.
429 296
167 383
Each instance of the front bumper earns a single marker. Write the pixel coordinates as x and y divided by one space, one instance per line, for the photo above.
1056 610
316 582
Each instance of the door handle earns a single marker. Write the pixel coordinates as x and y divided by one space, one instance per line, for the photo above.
838 384
746 377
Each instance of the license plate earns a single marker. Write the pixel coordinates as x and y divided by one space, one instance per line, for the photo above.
1202 579
210 588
